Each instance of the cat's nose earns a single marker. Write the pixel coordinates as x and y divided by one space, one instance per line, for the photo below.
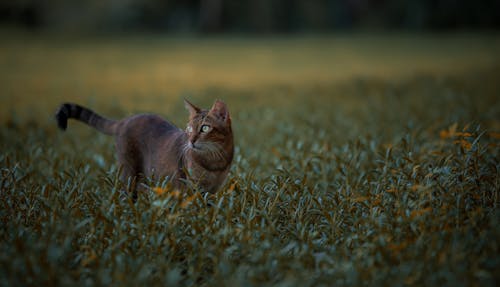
193 140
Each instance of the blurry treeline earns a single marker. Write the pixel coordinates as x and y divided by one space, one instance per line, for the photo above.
253 16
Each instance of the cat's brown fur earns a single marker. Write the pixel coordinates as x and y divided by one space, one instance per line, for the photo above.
148 145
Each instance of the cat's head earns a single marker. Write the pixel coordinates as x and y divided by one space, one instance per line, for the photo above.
209 131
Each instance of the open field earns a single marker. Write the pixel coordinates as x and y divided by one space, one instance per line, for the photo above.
360 160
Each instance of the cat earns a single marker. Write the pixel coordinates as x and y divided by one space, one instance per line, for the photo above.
149 146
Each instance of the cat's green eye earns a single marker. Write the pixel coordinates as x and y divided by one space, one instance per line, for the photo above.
205 128
189 129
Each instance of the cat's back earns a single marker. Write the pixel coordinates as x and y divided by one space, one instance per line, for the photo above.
147 143
146 125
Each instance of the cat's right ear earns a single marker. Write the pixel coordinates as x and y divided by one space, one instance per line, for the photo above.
193 110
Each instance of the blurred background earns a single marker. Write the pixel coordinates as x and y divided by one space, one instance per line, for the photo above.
249 16
139 54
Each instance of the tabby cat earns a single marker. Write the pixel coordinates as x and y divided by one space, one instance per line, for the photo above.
147 145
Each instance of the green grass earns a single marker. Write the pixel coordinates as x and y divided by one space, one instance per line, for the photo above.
369 179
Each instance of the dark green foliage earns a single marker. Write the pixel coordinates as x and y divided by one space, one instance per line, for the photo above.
361 183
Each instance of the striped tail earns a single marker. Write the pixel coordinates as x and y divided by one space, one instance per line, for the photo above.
73 111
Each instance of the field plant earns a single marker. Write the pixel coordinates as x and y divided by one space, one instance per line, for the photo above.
358 182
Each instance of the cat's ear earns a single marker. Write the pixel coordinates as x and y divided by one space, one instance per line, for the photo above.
193 110
220 111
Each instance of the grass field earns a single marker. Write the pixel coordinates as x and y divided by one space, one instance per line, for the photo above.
360 160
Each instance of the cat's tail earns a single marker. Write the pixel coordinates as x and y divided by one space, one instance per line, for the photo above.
73 111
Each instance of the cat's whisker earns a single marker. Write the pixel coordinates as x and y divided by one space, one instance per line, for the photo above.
186 147
184 150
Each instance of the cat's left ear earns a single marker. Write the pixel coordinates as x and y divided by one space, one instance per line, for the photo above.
193 110
220 111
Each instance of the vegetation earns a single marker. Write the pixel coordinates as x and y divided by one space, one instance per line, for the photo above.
364 181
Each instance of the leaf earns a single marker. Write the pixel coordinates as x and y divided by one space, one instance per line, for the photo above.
232 187
90 256
450 132
464 144
159 190
420 212
463 134
397 248
187 201
416 187
361 198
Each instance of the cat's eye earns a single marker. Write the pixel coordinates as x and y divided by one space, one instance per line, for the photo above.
205 128
189 129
